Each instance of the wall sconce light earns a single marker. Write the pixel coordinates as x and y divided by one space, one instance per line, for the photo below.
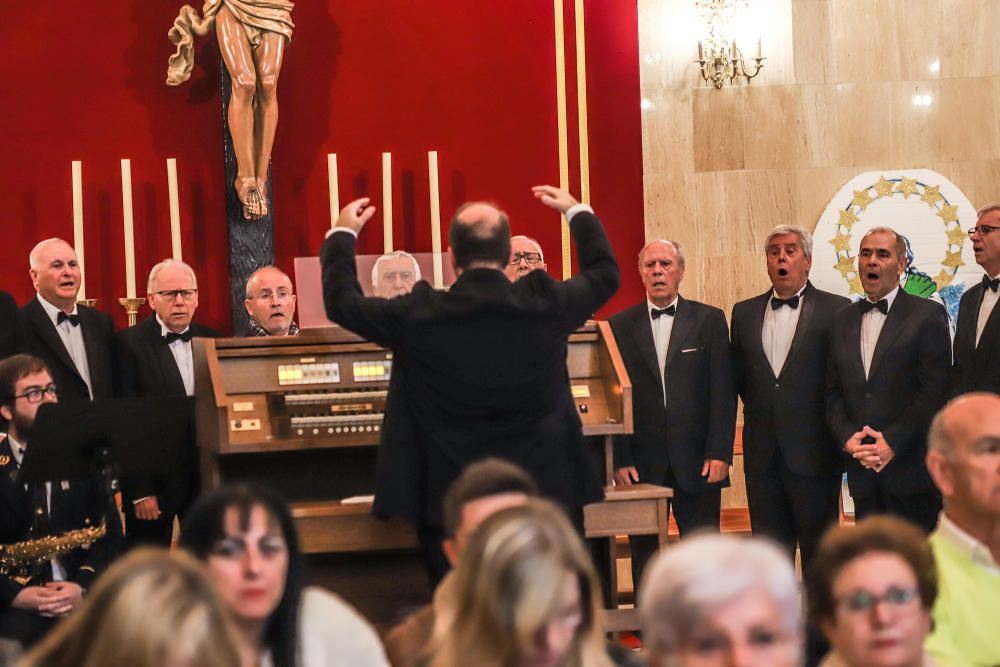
719 57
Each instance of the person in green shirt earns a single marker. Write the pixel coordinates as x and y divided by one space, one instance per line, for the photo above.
964 460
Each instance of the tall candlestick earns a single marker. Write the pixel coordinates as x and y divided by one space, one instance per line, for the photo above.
331 169
129 229
387 201
175 209
432 170
78 225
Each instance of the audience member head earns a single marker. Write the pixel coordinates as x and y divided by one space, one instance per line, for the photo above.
721 600
246 535
479 237
172 291
525 256
964 461
25 385
395 274
150 609
525 595
789 259
270 300
986 244
55 273
871 592
661 265
483 488
881 261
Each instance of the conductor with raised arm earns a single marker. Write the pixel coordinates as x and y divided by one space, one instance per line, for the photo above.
479 370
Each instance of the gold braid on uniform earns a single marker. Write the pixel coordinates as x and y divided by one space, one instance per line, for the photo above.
19 560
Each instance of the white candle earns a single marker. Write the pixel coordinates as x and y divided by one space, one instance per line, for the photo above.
387 201
129 229
78 224
175 209
432 170
331 169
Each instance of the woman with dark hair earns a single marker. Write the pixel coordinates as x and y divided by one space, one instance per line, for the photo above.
246 536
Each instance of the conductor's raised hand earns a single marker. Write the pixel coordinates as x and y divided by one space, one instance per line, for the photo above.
555 198
356 214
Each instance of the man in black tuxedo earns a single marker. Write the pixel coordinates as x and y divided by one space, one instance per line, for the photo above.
479 370
10 330
30 605
977 338
156 359
75 342
676 352
890 355
780 343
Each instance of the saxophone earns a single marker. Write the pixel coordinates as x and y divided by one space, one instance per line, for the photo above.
20 559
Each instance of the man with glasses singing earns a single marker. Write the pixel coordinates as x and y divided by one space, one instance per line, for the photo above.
156 359
525 256
977 338
270 303
29 606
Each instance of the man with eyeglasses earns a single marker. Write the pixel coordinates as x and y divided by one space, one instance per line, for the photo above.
977 337
525 256
395 274
74 341
156 359
30 607
270 303
964 461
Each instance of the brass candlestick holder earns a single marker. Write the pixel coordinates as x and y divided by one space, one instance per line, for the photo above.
89 303
131 307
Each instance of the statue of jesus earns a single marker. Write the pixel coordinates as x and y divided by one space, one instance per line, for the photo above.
252 38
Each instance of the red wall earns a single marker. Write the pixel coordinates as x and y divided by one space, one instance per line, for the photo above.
473 80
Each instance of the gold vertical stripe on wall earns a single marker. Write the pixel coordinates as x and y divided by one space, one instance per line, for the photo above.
563 132
581 103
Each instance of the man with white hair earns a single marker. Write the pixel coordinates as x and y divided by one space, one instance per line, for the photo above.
395 274
156 359
74 341
270 303
525 256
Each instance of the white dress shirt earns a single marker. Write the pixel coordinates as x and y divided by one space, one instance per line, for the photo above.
17 449
778 331
662 327
990 299
871 326
183 355
72 338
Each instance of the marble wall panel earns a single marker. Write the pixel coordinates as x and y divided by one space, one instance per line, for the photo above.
969 120
667 131
813 39
779 133
718 129
968 38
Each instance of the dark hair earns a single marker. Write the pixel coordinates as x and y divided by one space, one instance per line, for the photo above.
900 241
204 527
13 369
489 477
842 544
479 240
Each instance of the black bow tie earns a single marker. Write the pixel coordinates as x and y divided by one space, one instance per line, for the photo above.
656 312
992 285
792 302
882 305
72 319
170 337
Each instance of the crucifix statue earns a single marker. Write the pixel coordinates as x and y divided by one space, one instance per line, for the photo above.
252 37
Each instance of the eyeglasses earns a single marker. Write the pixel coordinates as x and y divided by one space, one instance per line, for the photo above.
530 257
863 601
35 394
983 230
267 295
172 294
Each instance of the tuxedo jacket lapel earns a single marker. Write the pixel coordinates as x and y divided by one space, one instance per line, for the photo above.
683 325
642 333
164 360
754 335
807 306
894 321
991 332
853 341
48 335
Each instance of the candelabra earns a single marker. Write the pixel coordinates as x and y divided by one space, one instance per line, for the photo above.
719 57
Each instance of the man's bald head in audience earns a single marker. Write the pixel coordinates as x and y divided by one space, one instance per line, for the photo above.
479 237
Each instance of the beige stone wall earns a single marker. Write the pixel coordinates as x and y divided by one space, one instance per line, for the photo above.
722 167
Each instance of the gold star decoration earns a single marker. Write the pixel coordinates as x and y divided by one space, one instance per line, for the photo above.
847 218
948 213
842 242
943 279
953 260
932 194
856 287
907 187
862 199
844 264
956 236
883 188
